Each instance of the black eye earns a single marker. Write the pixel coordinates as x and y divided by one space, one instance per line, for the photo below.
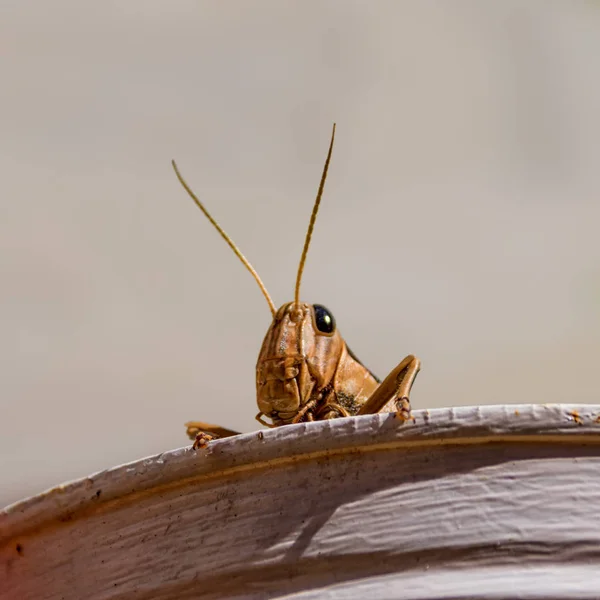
324 319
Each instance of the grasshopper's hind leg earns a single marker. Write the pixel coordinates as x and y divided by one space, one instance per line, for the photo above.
202 433
396 386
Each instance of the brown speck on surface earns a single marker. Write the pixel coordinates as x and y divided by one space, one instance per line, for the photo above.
597 419
19 549
575 416
98 492
517 413
261 435
66 517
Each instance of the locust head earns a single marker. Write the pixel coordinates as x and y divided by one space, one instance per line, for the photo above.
297 361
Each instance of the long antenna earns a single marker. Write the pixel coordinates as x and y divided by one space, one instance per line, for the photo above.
235 249
313 218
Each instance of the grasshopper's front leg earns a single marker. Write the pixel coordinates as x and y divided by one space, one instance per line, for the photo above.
202 433
396 386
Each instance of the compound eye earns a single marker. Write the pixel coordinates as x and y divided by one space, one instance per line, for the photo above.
324 319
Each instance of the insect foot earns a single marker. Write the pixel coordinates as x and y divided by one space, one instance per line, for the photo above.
403 409
202 439
202 433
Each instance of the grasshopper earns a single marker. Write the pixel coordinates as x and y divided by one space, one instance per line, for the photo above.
305 370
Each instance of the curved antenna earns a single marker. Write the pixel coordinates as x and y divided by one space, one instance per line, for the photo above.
313 217
235 249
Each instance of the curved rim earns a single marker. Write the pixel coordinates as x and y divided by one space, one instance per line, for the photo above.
470 425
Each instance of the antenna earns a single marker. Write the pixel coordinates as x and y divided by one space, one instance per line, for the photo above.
313 218
235 249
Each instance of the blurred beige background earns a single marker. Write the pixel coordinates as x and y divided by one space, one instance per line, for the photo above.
460 219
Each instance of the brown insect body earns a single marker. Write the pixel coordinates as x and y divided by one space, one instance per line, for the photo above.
305 371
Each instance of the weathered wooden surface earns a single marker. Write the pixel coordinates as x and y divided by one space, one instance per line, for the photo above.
475 502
